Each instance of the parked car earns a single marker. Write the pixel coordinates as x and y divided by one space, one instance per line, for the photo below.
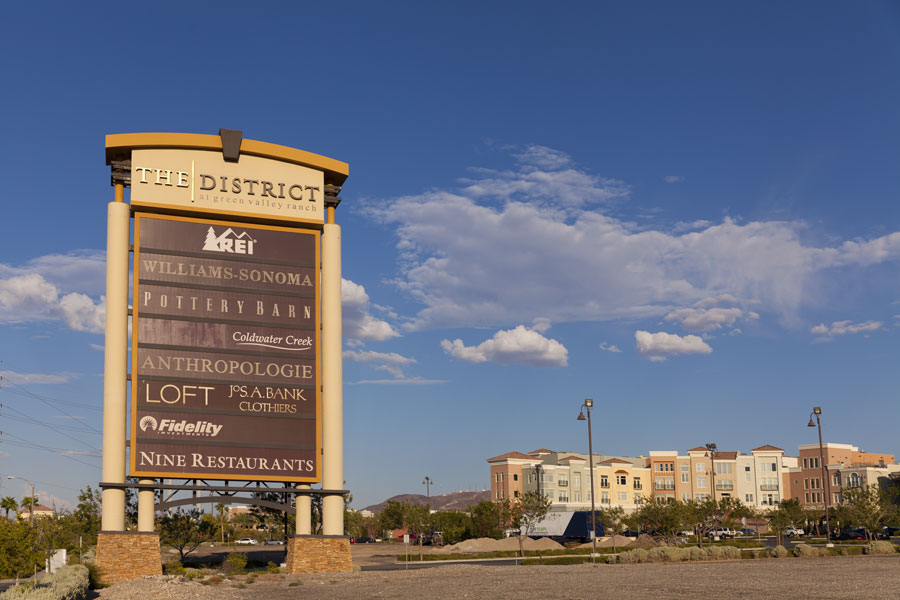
794 531
686 532
274 543
361 540
889 531
722 533
748 531
852 534
246 542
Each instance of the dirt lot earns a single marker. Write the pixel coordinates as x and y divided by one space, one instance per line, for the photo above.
820 578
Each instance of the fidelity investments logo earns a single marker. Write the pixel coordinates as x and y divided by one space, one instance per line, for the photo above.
229 241
173 427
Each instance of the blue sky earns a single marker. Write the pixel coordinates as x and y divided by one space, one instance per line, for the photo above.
686 211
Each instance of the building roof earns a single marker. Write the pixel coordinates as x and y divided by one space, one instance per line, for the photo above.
569 458
517 455
726 455
697 449
541 451
767 448
610 461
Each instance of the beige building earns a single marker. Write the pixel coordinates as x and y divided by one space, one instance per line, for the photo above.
756 479
565 478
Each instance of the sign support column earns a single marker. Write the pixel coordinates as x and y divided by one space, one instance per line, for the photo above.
332 367
115 367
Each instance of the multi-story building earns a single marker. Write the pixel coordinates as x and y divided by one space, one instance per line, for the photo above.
755 479
565 478
807 482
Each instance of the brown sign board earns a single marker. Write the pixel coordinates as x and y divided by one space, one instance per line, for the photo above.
225 357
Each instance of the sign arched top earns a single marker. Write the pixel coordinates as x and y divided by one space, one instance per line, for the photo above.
196 175
120 145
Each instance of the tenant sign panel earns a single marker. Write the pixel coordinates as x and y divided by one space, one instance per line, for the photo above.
225 351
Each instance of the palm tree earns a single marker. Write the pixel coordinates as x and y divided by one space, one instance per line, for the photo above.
28 503
221 508
9 503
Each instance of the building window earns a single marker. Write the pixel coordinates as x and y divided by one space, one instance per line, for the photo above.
747 477
685 496
604 497
577 479
805 465
854 479
685 477
836 478
724 468
701 467
724 484
685 467
515 477
515 493
622 497
563 497
501 477
748 498
701 482
806 497
604 481
621 480
577 496
638 499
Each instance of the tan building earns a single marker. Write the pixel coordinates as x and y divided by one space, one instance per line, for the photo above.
506 473
39 511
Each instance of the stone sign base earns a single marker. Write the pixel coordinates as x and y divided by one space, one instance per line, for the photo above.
319 554
124 555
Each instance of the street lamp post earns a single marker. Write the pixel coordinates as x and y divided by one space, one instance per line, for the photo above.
826 487
588 403
427 483
711 449
30 512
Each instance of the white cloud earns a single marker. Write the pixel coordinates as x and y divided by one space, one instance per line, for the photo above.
661 345
386 361
514 346
846 327
720 299
82 271
540 241
30 297
358 322
700 319
609 347
38 378
673 178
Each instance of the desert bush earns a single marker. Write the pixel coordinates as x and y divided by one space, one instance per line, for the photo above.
234 562
779 551
638 555
695 553
666 554
879 547
806 551
272 567
69 583
173 568
611 559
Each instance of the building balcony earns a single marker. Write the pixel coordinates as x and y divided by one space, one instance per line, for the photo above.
562 483
769 487
638 486
604 485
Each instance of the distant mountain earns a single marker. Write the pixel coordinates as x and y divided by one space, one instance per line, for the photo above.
452 501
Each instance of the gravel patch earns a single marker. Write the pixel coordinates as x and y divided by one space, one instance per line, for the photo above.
820 578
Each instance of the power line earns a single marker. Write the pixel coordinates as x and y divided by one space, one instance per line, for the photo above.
25 443
22 391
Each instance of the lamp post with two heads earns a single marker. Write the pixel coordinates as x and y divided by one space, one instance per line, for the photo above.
588 404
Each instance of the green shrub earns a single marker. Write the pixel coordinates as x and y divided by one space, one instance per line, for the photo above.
879 547
638 555
234 562
779 551
173 568
611 559
192 573
272 567
69 583
557 560
694 553
94 576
